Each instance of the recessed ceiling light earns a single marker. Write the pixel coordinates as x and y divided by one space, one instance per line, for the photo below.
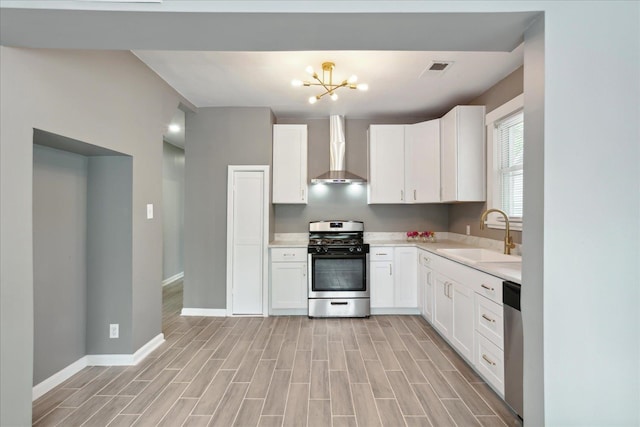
174 127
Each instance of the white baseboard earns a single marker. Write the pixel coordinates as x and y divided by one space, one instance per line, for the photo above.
58 378
207 312
96 360
172 279
396 311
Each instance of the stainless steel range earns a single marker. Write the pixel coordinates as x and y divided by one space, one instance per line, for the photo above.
338 269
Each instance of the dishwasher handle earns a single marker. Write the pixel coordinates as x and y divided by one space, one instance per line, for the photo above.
511 294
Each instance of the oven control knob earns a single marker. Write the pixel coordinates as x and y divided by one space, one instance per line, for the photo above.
318 249
325 249
351 249
359 249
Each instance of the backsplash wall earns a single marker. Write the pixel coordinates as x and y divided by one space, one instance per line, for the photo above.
342 201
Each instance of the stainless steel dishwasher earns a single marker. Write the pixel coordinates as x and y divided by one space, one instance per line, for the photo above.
512 346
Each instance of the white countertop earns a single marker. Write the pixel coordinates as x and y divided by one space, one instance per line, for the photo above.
504 270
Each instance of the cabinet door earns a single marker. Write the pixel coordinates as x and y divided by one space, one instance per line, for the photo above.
462 330
290 164
386 164
422 162
381 277
406 277
288 285
442 309
449 157
462 153
428 294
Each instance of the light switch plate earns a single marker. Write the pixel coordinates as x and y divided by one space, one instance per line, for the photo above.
150 211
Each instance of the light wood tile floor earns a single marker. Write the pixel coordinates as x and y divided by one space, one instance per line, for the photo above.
281 371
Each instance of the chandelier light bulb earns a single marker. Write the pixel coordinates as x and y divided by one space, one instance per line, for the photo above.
352 79
334 96
296 83
362 86
309 70
313 100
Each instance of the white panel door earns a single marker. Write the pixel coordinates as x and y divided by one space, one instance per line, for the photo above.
406 277
422 162
290 164
449 156
248 242
381 277
386 164
462 328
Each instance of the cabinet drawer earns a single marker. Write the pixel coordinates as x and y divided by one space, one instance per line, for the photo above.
489 320
289 254
489 361
381 253
486 285
425 258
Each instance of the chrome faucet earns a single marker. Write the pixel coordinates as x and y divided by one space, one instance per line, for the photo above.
508 240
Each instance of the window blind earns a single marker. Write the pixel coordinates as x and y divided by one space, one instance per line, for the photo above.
510 134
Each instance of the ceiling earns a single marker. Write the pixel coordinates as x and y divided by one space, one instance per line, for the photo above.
399 81
219 54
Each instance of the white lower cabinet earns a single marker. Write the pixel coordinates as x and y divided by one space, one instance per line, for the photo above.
406 277
443 305
393 277
425 285
453 314
489 362
381 281
288 279
462 327
467 312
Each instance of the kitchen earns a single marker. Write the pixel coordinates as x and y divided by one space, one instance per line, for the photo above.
622 250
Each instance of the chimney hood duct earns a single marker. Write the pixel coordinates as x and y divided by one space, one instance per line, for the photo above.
337 173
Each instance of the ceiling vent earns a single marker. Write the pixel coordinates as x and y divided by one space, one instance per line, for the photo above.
437 68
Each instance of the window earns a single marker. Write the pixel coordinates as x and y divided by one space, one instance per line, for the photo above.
505 139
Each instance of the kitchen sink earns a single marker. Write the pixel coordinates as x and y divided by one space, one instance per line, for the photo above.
478 255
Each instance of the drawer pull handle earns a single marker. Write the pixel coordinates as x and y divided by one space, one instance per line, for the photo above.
489 288
380 254
339 303
485 317
491 362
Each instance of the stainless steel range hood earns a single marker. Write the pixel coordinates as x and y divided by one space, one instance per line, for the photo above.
337 173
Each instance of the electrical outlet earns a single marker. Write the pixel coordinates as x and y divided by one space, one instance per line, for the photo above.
468 230
114 330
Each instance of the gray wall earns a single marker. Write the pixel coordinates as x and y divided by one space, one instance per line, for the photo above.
350 201
109 250
469 213
172 210
59 260
107 99
216 138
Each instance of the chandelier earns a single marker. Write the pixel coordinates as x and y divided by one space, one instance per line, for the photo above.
327 82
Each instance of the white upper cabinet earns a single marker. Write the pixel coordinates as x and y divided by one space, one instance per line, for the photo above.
386 164
422 162
290 164
463 177
404 163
